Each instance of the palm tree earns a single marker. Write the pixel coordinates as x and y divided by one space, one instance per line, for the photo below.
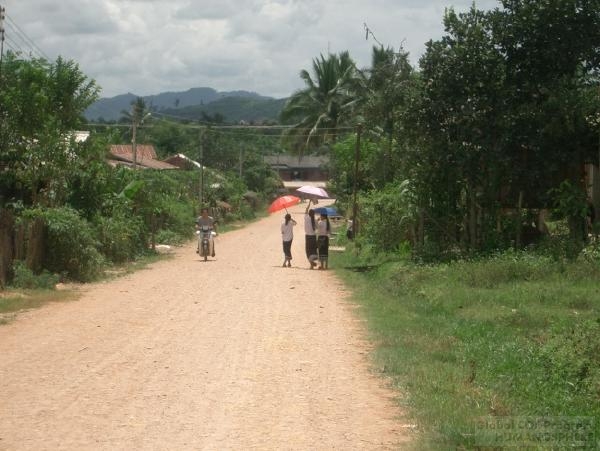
321 107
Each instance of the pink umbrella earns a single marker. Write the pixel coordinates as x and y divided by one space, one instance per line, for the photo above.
283 202
313 191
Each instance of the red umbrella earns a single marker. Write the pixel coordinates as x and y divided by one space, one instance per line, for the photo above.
283 202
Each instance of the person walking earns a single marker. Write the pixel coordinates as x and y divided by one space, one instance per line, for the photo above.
323 230
287 235
310 228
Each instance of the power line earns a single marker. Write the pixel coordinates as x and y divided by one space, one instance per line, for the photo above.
25 38
13 45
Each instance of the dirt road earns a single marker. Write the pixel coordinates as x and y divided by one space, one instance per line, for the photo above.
235 353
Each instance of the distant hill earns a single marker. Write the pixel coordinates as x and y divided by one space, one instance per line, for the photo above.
234 106
234 109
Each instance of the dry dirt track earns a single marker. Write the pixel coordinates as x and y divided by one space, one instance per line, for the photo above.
236 353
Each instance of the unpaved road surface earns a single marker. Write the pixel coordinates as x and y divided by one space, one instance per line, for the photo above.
235 353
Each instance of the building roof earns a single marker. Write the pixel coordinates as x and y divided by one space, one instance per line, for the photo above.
292 161
145 156
295 184
183 161
143 151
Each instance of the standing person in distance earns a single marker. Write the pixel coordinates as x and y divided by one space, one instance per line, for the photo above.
310 228
323 230
287 235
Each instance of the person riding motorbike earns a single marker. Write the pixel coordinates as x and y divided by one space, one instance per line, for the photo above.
206 224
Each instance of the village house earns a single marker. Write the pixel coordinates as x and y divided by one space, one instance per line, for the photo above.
298 171
122 155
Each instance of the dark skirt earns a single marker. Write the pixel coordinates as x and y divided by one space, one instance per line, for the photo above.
323 247
287 249
311 247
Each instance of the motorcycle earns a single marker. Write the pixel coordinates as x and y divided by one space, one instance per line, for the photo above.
205 242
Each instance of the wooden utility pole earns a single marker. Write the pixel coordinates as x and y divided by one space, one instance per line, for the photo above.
2 11
355 186
201 193
133 143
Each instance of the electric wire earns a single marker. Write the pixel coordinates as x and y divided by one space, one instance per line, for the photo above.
19 31
13 45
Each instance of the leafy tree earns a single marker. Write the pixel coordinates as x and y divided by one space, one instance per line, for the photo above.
323 105
388 88
41 104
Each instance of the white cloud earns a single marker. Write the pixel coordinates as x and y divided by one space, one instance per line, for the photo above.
149 46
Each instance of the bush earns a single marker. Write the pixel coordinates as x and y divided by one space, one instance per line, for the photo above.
25 278
389 215
120 239
572 358
169 237
70 246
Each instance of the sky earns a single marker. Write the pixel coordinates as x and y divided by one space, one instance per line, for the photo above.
150 46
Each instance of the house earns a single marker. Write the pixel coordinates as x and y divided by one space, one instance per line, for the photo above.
122 155
298 171
182 161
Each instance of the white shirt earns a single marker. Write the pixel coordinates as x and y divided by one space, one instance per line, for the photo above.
308 228
287 231
322 228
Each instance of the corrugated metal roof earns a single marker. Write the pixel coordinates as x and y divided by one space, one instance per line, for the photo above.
142 151
292 161
145 156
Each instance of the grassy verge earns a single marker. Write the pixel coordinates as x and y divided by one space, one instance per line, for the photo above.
31 291
13 301
490 354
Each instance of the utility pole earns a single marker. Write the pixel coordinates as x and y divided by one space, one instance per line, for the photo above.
137 120
201 193
2 11
133 143
241 159
355 186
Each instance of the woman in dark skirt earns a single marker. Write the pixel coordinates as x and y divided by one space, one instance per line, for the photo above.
310 228
323 229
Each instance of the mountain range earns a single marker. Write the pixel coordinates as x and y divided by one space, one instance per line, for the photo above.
193 104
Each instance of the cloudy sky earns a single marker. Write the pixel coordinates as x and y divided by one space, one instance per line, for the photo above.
151 46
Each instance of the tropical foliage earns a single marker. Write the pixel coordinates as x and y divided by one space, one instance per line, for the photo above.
501 110
69 212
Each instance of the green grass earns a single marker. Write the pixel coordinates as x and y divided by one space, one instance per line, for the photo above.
472 342
29 291
14 300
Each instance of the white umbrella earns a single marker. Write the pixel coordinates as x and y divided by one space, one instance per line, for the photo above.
313 191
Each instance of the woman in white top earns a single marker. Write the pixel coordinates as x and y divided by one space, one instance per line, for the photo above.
323 230
287 234
310 236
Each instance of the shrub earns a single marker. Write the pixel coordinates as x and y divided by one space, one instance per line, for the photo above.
25 278
120 239
389 216
169 237
572 358
70 245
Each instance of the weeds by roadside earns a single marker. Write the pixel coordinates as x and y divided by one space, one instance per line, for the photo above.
513 336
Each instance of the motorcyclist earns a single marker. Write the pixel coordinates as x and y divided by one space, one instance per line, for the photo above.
206 221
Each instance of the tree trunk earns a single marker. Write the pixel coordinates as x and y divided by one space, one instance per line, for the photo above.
519 222
472 219
35 245
7 229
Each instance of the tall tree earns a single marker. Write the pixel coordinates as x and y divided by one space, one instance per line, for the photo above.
41 105
322 106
